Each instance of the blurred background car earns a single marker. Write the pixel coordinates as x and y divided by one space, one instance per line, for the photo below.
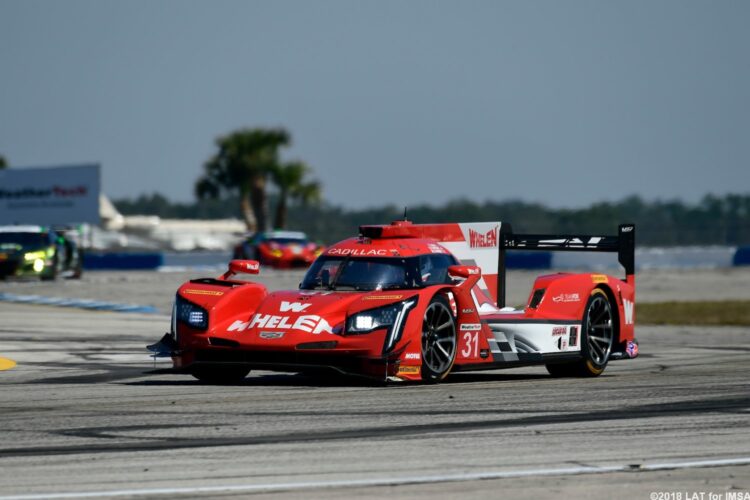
39 251
280 249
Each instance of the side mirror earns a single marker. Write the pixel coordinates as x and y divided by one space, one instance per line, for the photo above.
242 267
464 272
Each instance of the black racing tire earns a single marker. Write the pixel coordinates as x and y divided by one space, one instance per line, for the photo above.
220 374
597 339
51 275
439 340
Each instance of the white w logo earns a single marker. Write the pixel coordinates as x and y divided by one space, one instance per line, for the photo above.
628 307
293 306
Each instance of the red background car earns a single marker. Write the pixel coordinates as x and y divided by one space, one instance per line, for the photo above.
280 249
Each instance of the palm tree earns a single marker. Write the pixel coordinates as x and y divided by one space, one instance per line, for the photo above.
290 179
242 164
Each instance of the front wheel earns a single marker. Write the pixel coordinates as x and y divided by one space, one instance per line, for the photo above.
220 375
438 340
597 338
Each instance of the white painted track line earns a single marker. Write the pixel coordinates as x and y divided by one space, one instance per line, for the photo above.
391 481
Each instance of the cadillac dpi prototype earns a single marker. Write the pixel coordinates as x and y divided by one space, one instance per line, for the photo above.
410 302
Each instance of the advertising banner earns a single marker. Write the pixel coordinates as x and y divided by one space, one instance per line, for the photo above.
47 196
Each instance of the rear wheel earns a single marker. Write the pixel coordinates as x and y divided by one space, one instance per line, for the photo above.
220 375
438 340
597 338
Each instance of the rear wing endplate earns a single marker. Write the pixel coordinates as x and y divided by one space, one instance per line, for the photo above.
623 244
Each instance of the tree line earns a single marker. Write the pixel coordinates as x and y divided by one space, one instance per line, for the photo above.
236 177
714 220
244 162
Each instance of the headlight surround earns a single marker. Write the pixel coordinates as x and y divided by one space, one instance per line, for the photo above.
372 319
392 316
192 315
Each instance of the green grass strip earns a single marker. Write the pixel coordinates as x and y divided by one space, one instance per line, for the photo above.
726 312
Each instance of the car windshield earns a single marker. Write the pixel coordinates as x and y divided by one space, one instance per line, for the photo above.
28 241
287 241
367 274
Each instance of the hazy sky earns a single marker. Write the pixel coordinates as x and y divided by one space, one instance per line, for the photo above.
560 102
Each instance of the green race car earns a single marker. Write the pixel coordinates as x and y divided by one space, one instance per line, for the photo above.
38 251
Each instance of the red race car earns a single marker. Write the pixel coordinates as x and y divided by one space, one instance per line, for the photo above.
410 302
280 249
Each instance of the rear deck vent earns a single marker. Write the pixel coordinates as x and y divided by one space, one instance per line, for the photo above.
536 298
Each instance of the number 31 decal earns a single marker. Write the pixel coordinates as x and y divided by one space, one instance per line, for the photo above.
471 349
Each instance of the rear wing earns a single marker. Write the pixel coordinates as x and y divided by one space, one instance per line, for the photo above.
623 243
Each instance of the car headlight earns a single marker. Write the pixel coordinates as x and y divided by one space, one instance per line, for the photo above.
41 254
373 319
191 314
392 316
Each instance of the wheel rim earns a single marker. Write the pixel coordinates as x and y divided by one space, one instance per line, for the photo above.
438 338
600 330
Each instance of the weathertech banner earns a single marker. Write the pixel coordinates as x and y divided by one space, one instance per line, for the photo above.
47 196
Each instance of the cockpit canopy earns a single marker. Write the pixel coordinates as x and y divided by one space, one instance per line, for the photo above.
330 272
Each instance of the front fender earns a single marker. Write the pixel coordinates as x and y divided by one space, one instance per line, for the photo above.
472 345
224 304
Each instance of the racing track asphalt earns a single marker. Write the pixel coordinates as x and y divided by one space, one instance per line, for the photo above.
85 410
